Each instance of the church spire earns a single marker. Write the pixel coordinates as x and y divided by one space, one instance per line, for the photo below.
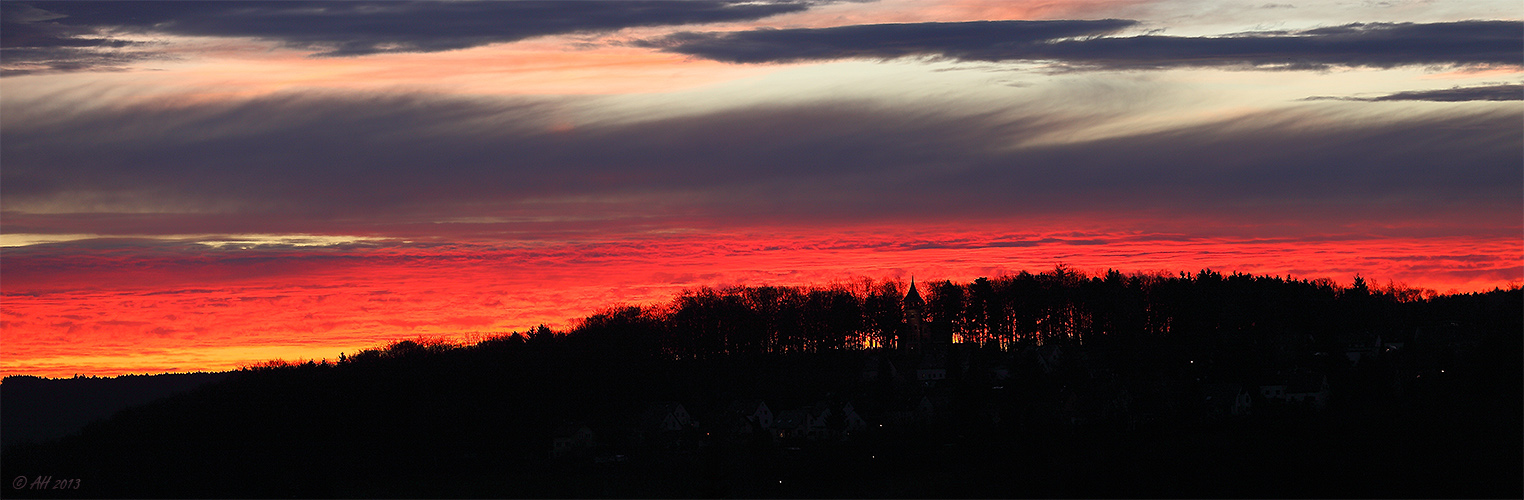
913 296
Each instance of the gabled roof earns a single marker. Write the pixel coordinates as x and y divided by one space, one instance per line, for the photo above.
792 419
741 424
665 407
657 414
817 410
747 406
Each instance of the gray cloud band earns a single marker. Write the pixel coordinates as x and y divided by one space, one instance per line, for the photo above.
1456 94
293 161
1080 45
72 36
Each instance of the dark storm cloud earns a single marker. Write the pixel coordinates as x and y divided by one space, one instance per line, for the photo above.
1456 94
1369 45
56 35
400 165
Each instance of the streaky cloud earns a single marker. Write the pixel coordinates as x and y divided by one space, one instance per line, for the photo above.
75 36
1513 92
973 40
1079 45
31 41
401 165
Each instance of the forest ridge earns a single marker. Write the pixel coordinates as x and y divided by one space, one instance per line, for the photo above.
1060 306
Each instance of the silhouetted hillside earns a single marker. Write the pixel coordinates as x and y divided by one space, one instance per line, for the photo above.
1115 386
39 409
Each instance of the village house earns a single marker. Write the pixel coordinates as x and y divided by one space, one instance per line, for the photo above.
1361 346
809 422
819 427
1308 388
1273 391
667 424
925 409
933 370
748 416
791 424
1303 388
1050 357
852 423
668 416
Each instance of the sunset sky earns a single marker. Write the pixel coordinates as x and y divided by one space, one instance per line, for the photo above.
197 186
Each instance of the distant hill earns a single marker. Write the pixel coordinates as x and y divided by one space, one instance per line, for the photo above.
35 409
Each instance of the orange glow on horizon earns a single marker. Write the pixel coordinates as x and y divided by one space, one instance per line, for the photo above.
115 312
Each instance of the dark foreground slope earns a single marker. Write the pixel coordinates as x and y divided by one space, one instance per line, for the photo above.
34 409
1436 418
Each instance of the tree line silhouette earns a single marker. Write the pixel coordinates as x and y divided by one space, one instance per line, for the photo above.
1060 305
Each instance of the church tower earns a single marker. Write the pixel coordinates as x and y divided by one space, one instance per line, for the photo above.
915 317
